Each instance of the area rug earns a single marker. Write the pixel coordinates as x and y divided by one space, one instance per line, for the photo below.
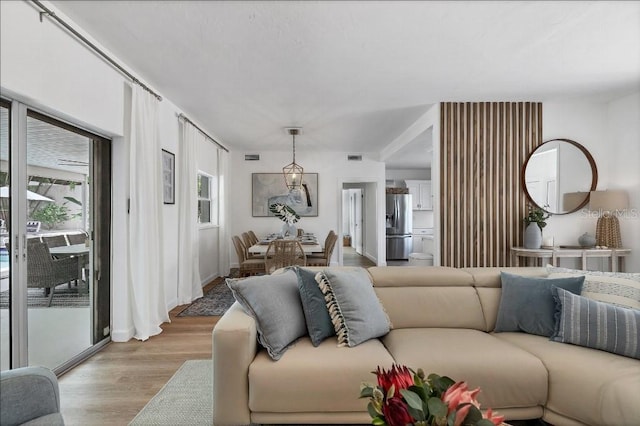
186 399
63 297
214 303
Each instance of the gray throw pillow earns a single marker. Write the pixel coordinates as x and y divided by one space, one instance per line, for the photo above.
354 307
527 303
319 323
597 325
274 303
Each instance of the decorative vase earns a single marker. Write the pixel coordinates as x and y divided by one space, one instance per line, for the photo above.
587 240
532 236
289 230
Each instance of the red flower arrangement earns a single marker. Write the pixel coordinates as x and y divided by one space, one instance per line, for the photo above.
403 397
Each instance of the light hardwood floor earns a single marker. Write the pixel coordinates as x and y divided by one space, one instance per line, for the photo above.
112 387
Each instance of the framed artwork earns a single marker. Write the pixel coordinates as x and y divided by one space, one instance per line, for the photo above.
269 188
168 177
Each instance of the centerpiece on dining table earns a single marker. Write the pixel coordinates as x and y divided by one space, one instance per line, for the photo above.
288 216
404 397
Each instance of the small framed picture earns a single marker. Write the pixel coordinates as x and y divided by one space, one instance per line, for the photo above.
168 177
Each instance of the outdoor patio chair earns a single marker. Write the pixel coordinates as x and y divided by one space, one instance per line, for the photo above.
281 253
248 267
55 241
325 260
78 238
43 271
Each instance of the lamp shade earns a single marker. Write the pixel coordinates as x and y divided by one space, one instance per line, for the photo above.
572 200
610 200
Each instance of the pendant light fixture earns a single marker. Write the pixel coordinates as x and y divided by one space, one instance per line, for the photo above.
293 172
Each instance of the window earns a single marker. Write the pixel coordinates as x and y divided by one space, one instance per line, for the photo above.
207 199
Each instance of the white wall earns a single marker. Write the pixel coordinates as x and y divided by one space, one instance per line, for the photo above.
46 68
610 132
333 170
623 130
400 175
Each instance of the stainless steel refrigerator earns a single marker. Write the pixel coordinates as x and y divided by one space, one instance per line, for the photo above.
399 226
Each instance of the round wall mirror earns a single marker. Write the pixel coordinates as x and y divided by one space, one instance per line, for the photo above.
559 175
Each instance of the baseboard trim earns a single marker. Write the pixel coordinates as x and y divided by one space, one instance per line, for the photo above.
122 335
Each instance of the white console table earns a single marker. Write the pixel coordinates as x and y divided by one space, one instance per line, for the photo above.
553 254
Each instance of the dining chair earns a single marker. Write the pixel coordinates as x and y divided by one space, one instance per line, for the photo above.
78 238
281 253
248 242
325 260
254 237
43 271
327 241
300 232
247 267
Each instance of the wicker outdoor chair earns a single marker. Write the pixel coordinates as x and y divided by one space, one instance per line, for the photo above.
79 238
281 253
248 267
325 260
43 271
55 241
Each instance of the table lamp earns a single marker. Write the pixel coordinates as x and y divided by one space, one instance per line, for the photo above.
608 226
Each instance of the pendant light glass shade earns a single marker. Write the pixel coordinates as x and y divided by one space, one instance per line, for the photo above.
293 172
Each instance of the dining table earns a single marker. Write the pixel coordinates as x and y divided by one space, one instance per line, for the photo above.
309 245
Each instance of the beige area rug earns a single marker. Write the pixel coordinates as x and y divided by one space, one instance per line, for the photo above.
186 399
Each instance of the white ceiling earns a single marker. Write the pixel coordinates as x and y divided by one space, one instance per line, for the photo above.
356 74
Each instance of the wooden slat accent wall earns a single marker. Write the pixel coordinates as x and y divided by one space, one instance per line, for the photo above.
483 147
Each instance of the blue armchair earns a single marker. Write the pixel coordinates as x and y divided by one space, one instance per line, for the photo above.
29 396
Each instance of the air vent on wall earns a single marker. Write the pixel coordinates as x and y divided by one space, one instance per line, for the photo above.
354 157
251 157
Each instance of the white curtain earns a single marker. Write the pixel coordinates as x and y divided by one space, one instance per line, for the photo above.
189 284
146 284
223 203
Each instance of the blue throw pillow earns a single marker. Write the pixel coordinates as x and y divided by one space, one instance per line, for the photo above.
598 325
527 303
319 323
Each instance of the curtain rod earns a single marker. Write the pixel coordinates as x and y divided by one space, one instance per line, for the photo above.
185 118
96 49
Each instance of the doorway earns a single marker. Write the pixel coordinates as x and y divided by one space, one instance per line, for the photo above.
55 229
358 244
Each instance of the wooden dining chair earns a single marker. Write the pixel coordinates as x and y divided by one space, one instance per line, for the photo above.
281 253
247 267
248 242
325 260
254 237
327 241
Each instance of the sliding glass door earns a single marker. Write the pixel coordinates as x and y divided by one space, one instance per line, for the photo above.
58 243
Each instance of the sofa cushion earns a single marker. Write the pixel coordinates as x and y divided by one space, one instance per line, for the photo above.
508 376
452 307
527 303
622 289
592 387
355 310
419 276
316 315
274 302
326 378
490 277
598 325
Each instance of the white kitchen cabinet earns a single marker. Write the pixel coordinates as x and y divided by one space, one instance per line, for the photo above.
421 194
418 238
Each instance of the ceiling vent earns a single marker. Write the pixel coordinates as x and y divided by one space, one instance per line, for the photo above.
354 157
251 157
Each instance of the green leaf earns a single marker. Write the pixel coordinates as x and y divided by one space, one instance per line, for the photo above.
366 392
436 407
391 391
413 400
373 411
73 200
377 421
416 414
419 390
474 415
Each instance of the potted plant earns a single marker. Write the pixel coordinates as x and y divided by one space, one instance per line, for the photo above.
534 222
286 214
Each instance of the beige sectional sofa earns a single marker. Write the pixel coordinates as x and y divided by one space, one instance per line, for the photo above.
443 320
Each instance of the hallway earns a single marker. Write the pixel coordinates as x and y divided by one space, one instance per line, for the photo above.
351 258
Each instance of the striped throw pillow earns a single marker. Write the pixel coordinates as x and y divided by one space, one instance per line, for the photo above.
598 325
618 288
